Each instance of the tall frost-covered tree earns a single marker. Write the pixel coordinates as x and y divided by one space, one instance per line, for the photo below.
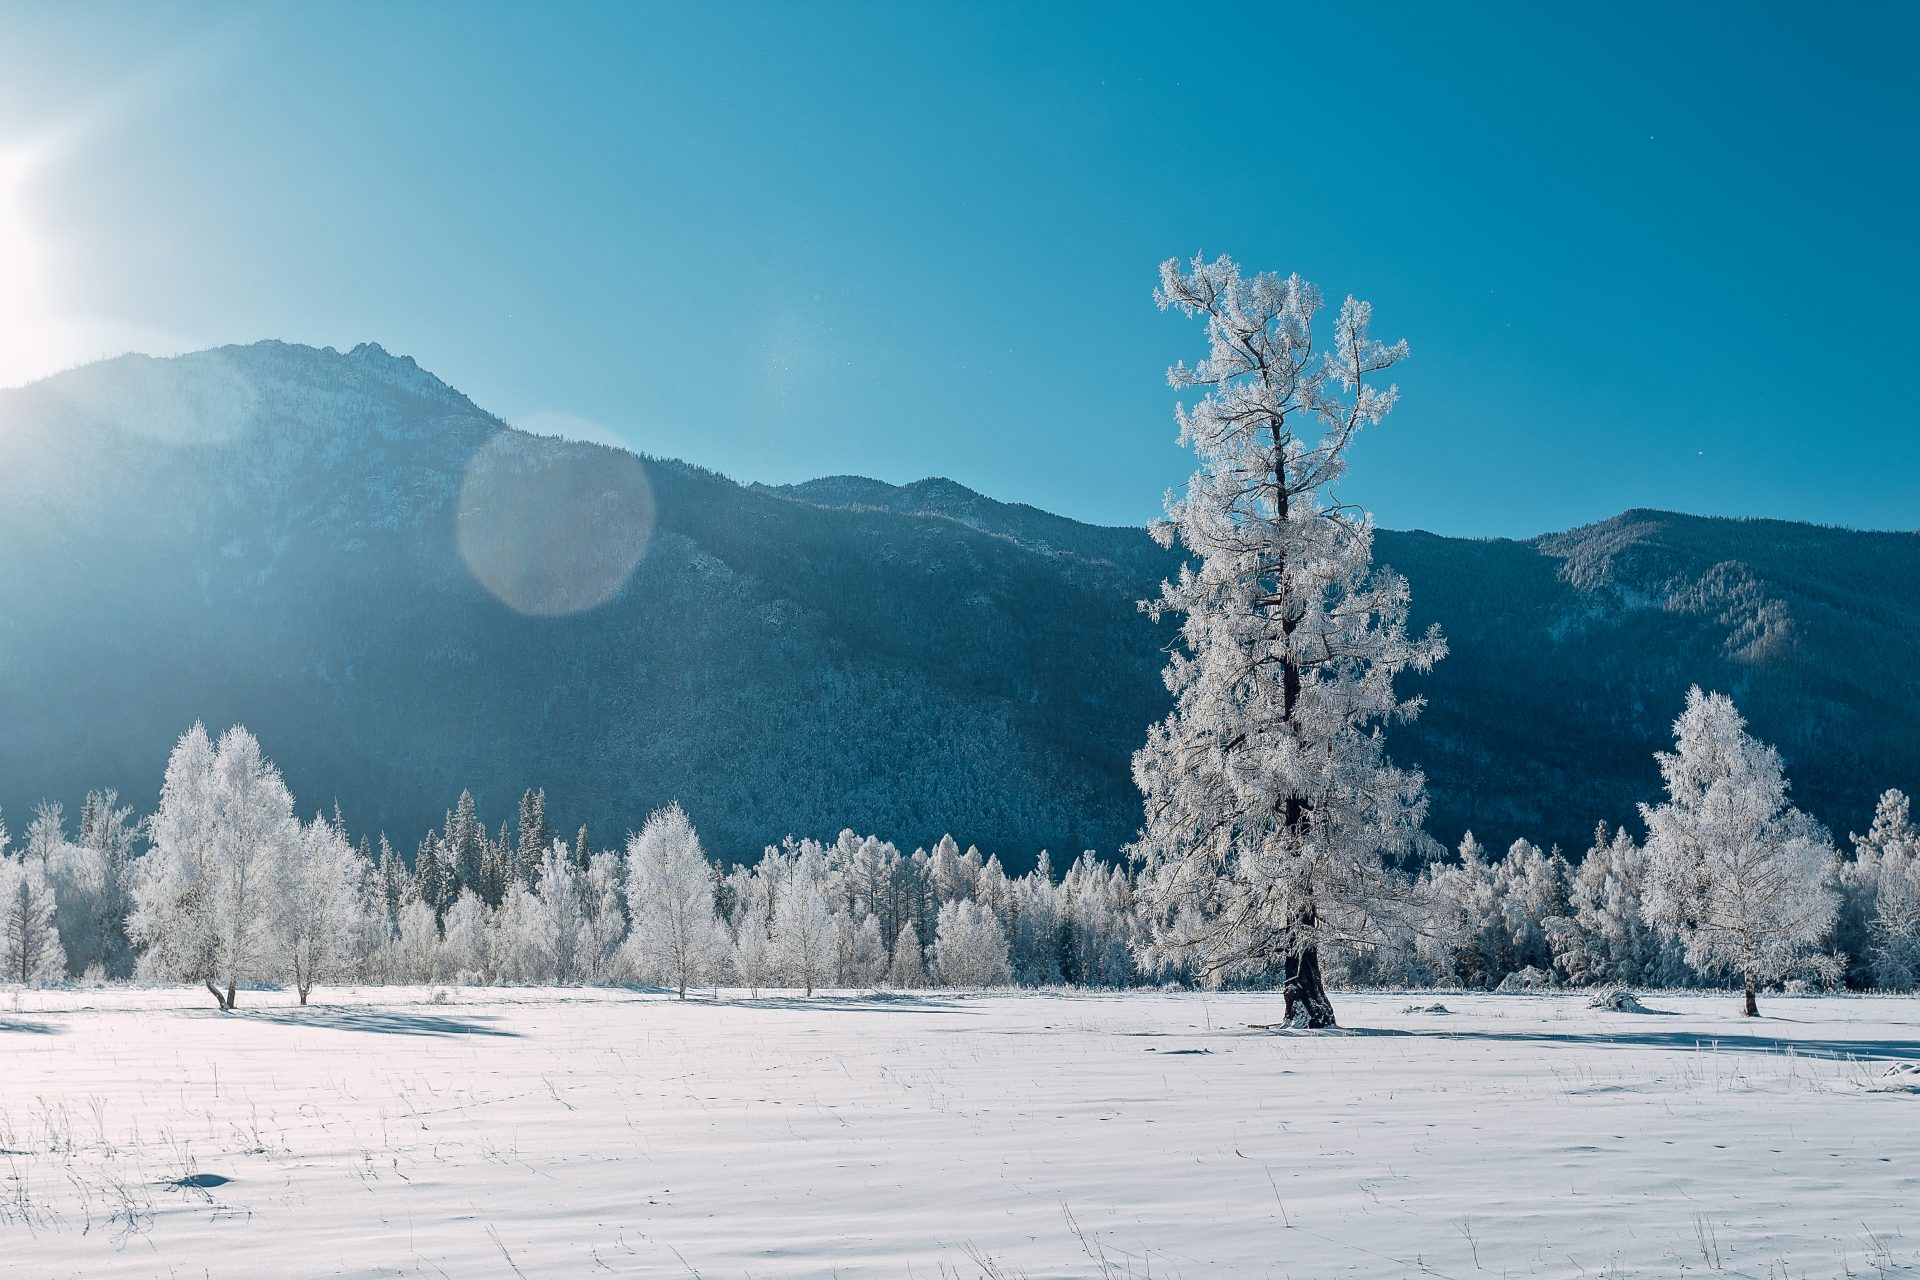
1743 880
205 895
676 936
1270 802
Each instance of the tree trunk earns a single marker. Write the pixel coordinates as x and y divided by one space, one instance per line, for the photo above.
1307 1003
217 997
230 986
1752 1009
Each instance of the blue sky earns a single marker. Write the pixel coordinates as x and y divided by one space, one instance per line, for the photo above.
1644 255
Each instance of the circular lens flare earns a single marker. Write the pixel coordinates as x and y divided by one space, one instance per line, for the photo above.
553 527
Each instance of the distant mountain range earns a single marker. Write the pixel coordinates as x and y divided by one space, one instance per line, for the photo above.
323 546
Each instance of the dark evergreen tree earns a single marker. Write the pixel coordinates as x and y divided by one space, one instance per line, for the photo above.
433 876
465 846
536 834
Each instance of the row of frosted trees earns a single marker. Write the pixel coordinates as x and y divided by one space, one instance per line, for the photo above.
1731 881
233 889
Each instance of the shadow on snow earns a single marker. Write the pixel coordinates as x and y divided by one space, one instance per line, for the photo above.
1736 1042
878 1002
28 1026
392 1022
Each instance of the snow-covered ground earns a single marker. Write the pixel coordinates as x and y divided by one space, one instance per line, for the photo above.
537 1133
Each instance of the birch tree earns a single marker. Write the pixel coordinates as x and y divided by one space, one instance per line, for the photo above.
322 901
676 934
1737 875
1270 801
803 932
204 898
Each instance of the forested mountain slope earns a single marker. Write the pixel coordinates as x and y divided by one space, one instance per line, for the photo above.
298 539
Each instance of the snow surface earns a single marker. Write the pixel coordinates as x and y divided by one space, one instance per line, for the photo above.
531 1133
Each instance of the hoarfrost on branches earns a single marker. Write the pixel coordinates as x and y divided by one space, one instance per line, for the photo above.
1270 802
205 893
970 948
676 936
1739 877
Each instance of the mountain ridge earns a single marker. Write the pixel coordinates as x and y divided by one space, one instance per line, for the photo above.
293 533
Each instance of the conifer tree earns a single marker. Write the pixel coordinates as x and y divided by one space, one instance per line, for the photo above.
435 883
30 949
535 835
464 846
109 829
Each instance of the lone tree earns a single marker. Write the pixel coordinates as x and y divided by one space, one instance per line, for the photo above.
204 898
1739 877
1270 802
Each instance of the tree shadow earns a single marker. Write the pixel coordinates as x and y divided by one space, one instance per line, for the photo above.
391 1022
876 1002
27 1026
1692 1041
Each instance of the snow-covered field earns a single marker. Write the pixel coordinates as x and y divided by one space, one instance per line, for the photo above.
537 1133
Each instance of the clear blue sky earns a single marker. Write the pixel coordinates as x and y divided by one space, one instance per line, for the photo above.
1649 255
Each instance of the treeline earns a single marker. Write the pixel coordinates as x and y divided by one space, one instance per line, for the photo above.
224 886
1533 919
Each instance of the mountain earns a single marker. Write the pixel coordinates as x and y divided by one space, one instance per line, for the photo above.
404 596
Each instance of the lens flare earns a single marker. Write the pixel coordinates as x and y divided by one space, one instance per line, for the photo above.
553 527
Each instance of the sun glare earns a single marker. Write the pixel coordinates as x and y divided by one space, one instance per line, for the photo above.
23 292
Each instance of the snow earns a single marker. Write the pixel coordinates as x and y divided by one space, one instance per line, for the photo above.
504 1132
